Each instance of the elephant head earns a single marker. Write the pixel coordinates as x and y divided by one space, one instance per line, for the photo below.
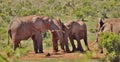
58 34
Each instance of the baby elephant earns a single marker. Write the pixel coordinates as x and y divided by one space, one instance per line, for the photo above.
77 30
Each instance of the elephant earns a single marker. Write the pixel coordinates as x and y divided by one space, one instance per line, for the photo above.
76 30
32 26
107 25
58 34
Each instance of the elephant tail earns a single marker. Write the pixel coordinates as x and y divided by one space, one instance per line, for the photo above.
9 34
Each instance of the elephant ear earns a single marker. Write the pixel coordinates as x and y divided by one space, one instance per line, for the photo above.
107 27
100 24
45 19
39 24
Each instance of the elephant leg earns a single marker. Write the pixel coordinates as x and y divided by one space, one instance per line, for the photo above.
54 41
15 41
66 45
61 38
35 44
15 44
62 46
39 42
72 43
55 45
79 45
86 43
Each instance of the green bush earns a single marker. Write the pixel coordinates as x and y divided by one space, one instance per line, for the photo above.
47 40
112 44
3 58
17 53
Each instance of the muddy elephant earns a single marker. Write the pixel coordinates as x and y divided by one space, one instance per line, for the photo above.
22 28
76 30
58 35
107 25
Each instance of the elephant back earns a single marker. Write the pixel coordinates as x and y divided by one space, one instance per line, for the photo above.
79 24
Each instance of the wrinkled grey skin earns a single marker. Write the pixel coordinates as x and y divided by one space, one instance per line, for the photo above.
107 25
77 30
58 35
22 28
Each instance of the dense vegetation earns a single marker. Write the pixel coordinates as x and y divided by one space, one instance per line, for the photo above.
112 44
86 10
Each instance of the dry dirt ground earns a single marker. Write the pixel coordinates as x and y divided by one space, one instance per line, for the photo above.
32 56
94 54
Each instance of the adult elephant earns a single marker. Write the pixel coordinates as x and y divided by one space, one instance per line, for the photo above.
22 28
58 35
107 25
76 30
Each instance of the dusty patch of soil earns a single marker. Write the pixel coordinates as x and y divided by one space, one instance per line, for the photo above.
32 56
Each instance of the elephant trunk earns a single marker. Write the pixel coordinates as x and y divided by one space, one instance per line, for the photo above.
97 39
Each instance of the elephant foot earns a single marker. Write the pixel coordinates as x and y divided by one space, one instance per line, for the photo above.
68 51
62 51
54 52
77 49
36 52
73 50
81 50
41 52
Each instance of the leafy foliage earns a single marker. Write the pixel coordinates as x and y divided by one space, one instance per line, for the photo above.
112 43
3 58
67 10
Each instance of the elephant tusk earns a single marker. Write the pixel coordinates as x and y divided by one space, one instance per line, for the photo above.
52 30
63 31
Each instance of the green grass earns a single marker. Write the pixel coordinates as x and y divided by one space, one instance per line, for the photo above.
91 25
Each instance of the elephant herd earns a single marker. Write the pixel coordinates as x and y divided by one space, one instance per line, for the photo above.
32 26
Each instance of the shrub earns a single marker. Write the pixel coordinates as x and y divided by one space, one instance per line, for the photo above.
47 39
3 58
112 44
